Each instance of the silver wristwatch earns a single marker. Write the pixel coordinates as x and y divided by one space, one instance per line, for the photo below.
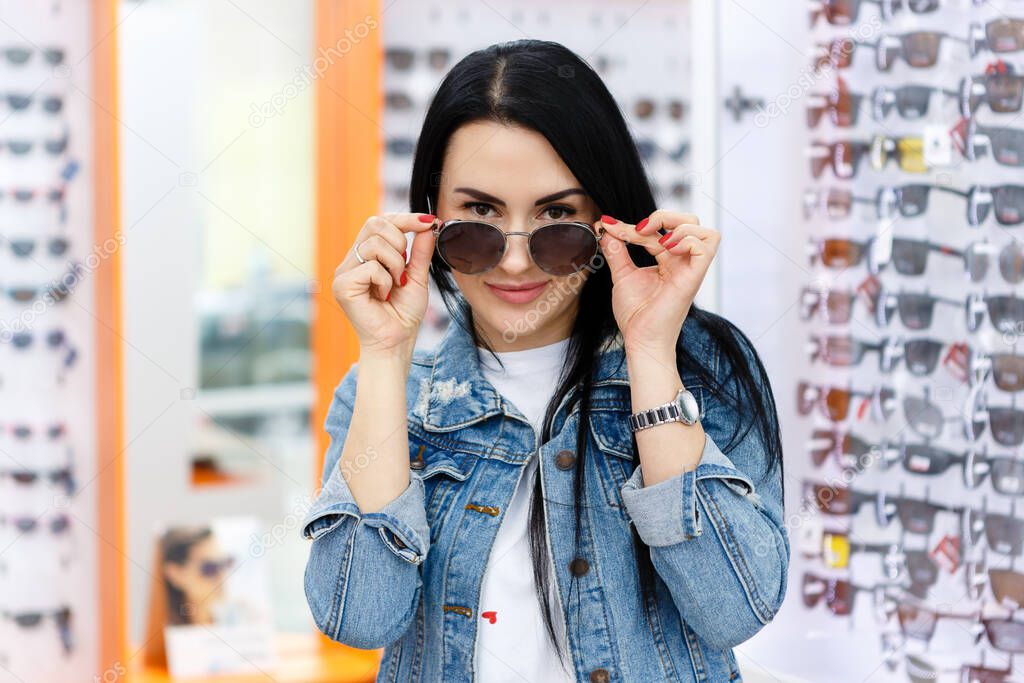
683 408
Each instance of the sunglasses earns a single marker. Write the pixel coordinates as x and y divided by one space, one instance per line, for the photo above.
918 49
907 152
919 622
841 105
24 248
927 419
921 671
23 432
912 200
911 102
846 12
852 453
59 524
833 306
19 56
897 562
834 402
211 569
62 476
973 141
843 157
910 256
998 36
999 87
403 58
1005 311
1003 533
645 108
916 311
838 594
559 249
61 616
837 252
649 150
50 104
1004 634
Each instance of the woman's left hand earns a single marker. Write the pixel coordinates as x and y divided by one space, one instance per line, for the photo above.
651 303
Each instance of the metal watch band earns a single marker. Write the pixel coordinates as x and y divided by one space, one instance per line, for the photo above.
654 416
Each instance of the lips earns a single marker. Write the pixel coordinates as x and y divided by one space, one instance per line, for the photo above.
519 293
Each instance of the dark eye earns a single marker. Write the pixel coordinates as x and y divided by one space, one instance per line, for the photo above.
561 212
473 206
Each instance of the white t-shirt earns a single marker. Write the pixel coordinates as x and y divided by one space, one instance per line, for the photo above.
516 647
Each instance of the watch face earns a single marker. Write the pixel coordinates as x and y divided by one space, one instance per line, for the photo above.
688 407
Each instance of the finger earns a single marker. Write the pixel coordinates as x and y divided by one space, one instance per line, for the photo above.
701 254
620 263
665 219
626 232
419 257
365 278
708 235
377 247
394 226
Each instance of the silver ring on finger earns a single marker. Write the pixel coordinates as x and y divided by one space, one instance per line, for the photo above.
356 250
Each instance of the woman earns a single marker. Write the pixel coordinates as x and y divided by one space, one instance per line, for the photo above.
532 534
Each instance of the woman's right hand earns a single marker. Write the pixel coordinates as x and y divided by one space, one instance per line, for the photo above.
385 313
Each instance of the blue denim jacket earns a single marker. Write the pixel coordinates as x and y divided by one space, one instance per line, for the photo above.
408 576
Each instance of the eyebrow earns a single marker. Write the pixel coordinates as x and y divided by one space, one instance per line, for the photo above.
483 196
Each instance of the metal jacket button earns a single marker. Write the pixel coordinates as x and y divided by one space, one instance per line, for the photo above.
579 566
564 460
599 676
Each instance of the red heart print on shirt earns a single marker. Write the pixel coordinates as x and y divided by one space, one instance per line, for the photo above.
490 616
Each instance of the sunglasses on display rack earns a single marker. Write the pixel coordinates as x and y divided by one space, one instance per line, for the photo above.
49 104
911 102
914 568
846 12
645 108
916 311
57 525
927 419
23 431
62 476
974 141
841 105
837 252
919 622
840 594
832 306
1000 87
1006 202
910 257
844 156
649 150
921 356
999 36
1005 311
915 516
404 59
1003 533
852 454
921 671
917 49
834 402
20 55
25 247
62 617
560 249
1004 634
1006 369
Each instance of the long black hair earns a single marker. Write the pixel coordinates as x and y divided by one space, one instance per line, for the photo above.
530 83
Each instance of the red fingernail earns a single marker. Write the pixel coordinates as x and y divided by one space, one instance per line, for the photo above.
641 224
608 220
388 296
661 240
669 246
427 218
403 280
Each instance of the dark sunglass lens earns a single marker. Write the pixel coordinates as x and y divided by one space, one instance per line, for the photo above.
1008 371
922 355
1008 203
1006 635
924 417
53 104
1005 35
25 524
1007 425
399 58
839 203
17 55
1006 312
1008 476
1007 145
22 248
27 619
18 102
58 246
912 101
54 56
470 247
1007 586
60 524
841 253
562 249
1004 92
921 48
912 200
840 597
924 459
917 516
909 257
1011 263
1004 534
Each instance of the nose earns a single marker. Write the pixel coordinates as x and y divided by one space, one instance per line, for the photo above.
517 254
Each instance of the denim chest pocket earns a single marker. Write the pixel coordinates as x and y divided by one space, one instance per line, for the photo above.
616 443
442 471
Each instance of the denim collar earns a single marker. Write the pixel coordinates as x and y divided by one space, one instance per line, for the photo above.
457 393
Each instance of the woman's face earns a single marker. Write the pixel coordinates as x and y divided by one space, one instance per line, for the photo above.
512 177
201 578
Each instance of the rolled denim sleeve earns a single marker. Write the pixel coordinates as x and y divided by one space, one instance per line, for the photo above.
362 577
718 541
